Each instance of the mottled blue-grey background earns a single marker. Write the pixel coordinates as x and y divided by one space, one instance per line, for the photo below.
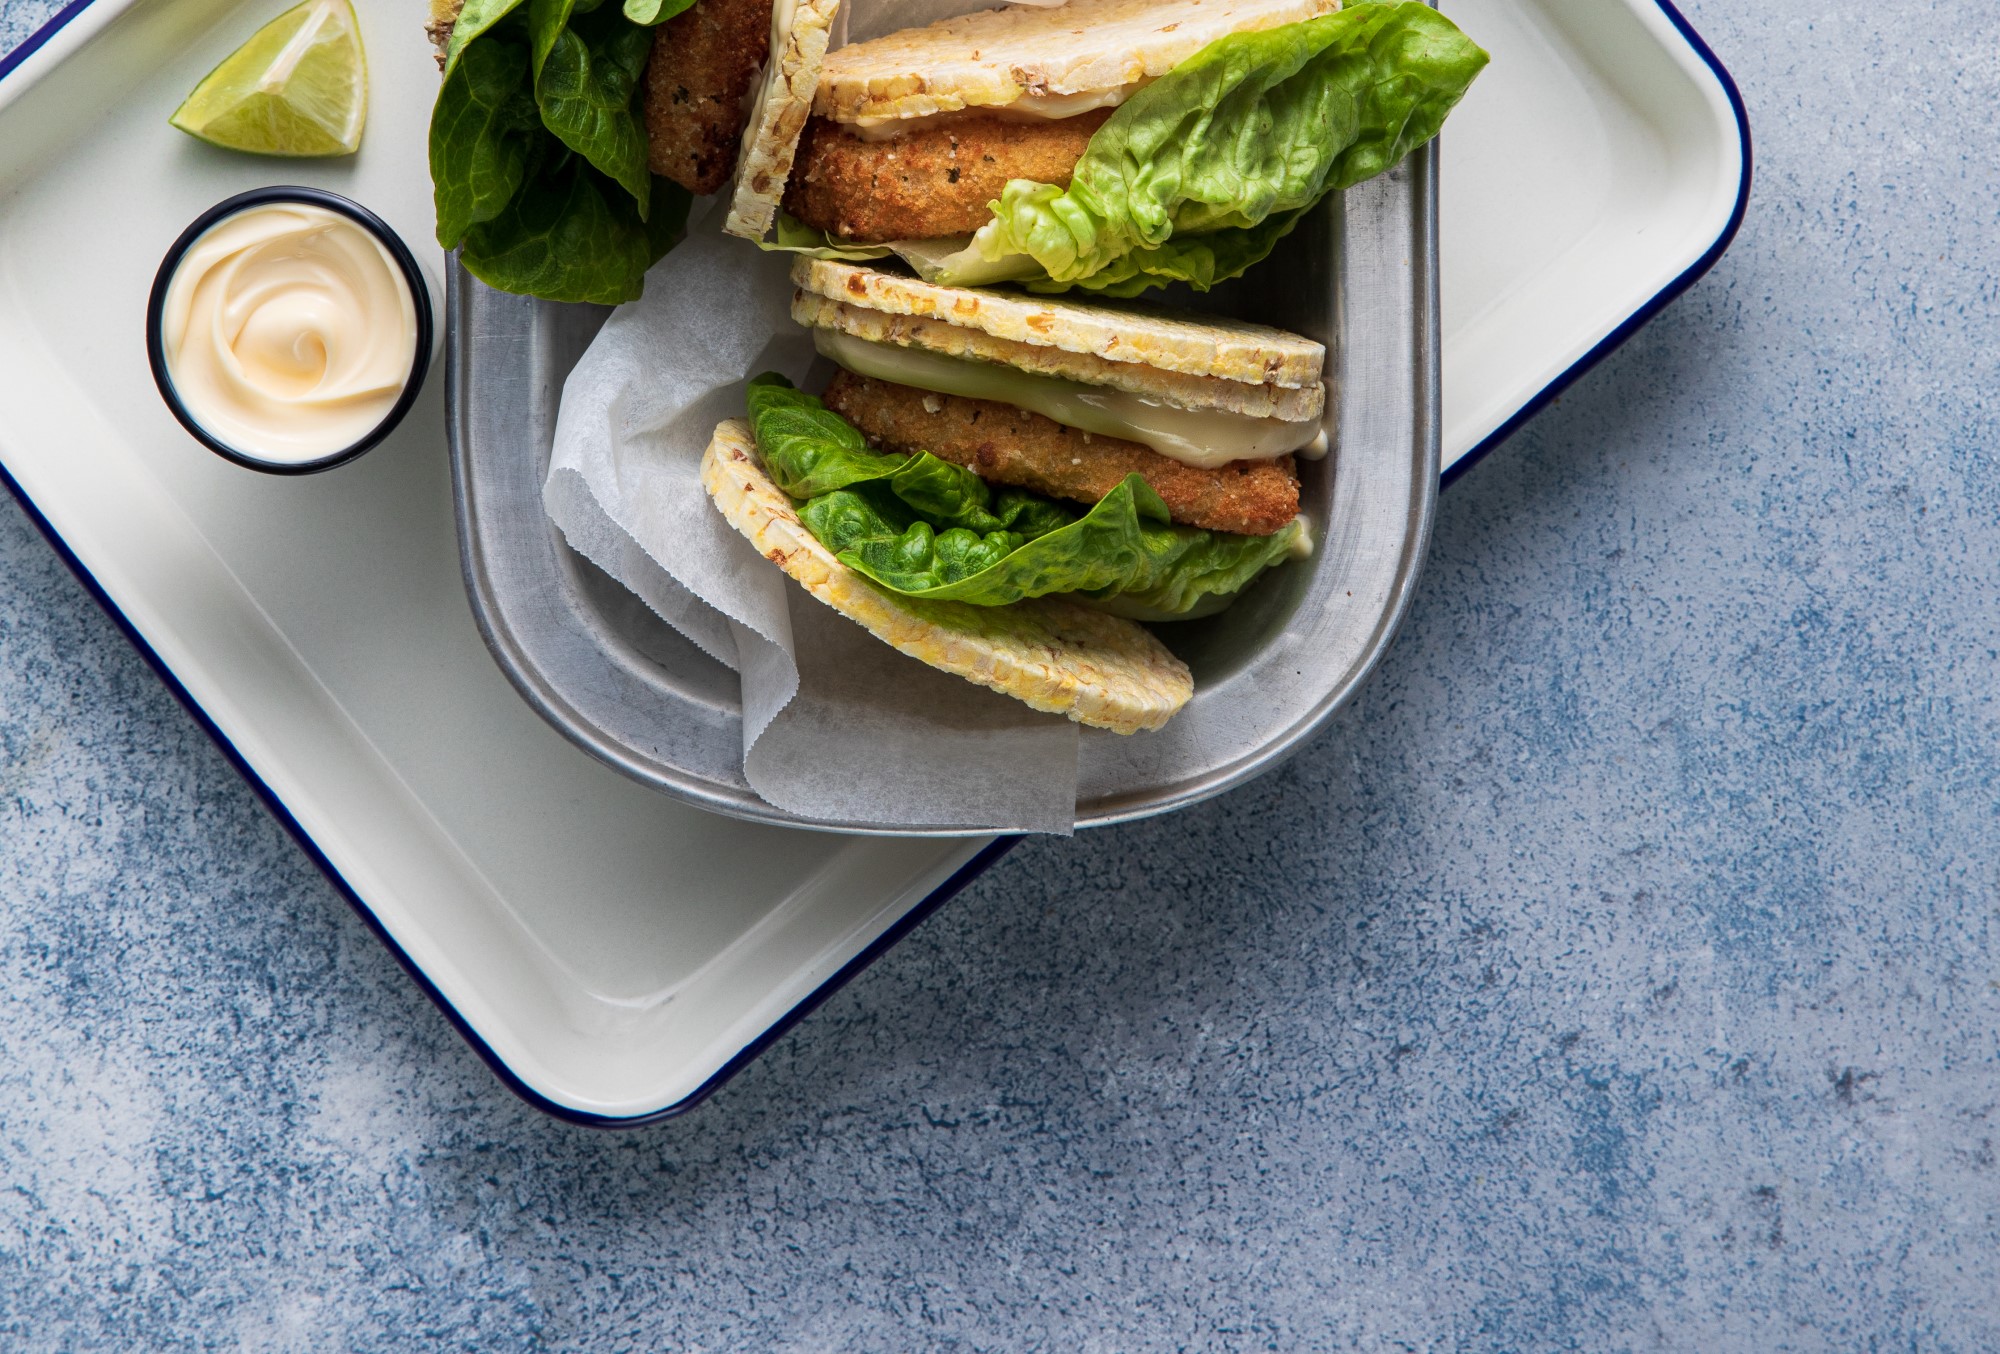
1620 973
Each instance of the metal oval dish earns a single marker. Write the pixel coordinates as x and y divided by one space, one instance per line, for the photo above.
1360 275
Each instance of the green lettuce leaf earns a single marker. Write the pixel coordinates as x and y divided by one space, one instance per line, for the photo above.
954 261
654 12
538 153
1253 127
948 495
1123 548
485 134
587 73
1200 573
1201 261
474 20
547 19
951 260
809 450
922 527
573 235
793 236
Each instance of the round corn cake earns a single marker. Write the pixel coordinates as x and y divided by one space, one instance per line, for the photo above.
1234 351
1054 655
997 56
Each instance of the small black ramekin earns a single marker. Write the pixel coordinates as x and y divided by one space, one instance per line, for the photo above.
420 296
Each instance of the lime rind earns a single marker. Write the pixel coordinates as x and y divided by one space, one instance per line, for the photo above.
297 87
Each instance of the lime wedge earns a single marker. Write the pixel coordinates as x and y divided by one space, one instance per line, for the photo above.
299 86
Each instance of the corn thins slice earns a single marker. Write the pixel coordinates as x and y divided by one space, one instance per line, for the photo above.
1056 655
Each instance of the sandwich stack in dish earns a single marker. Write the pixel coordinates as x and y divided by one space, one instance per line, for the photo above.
1009 484
1003 481
1111 145
1006 485
913 134
1105 145
1068 398
1051 651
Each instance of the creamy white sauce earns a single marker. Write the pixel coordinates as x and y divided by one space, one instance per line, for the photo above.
1199 437
1027 108
289 331
1302 544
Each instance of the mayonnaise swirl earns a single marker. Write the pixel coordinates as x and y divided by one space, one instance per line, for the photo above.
289 331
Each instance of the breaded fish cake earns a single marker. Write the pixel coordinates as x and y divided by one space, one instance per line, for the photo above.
705 62
1008 445
933 180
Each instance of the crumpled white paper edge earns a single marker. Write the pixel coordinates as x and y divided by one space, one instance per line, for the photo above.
837 726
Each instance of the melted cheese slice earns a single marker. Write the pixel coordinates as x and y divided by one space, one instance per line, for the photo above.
1027 108
1206 438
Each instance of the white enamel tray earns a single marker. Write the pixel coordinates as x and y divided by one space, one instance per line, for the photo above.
612 954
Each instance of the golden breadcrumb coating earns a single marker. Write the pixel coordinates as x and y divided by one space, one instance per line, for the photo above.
705 61
1008 445
931 181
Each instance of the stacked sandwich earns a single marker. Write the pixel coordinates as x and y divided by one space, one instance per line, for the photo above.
1005 485
1113 146
1015 469
1014 486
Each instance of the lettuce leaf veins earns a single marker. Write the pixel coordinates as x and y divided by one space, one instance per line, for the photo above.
538 149
1199 174
923 527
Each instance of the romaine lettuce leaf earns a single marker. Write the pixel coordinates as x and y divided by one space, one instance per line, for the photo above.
485 131
1255 126
538 155
809 450
573 235
653 12
922 527
948 495
1201 261
793 236
474 19
546 21
587 73
1122 547
951 260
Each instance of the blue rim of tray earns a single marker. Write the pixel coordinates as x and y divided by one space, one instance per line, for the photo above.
967 872
1638 319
